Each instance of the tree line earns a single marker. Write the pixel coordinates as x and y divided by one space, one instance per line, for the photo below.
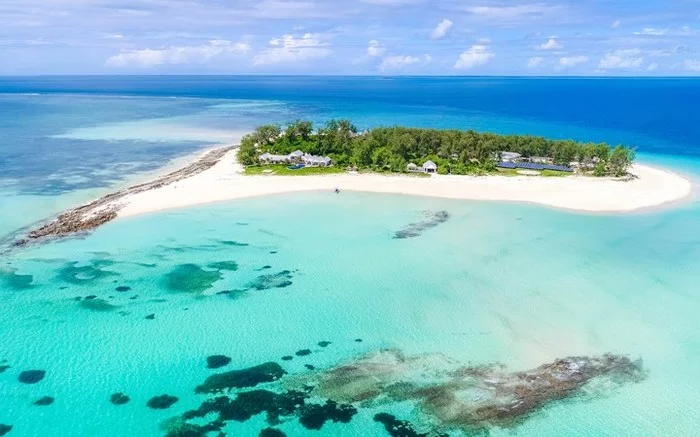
454 151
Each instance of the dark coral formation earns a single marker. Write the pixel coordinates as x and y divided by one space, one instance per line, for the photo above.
119 399
14 280
230 266
99 305
44 401
309 366
250 377
98 212
315 416
287 358
398 428
432 219
4 429
123 288
190 278
303 352
233 243
276 407
31 376
73 273
3 367
216 361
162 402
324 343
271 432
276 280
150 317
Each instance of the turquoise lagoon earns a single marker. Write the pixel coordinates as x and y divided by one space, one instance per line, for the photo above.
515 284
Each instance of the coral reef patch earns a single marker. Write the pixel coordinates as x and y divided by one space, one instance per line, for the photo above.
432 219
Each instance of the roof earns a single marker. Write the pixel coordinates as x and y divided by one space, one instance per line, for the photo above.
297 153
429 164
510 155
533 166
317 158
411 165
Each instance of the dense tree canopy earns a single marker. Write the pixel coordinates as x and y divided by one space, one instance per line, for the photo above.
455 151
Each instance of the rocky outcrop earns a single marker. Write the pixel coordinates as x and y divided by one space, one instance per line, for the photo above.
98 212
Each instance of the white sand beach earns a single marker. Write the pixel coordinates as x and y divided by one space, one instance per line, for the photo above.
225 181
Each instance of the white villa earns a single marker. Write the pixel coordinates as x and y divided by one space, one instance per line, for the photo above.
510 156
297 157
428 167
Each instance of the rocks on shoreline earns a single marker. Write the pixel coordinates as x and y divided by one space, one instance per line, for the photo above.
98 212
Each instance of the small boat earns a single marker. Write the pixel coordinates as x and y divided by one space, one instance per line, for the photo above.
337 190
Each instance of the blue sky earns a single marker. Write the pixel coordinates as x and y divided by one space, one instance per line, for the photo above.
413 37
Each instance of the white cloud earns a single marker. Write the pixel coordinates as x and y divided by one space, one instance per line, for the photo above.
474 56
146 58
572 61
289 48
692 65
375 49
441 29
551 44
630 58
653 66
535 62
652 31
615 24
396 62
511 12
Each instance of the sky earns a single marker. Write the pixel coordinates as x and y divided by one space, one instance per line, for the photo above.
351 37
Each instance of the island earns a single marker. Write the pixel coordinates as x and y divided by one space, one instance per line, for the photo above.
338 145
337 158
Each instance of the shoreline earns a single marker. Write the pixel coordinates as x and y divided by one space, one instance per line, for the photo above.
217 176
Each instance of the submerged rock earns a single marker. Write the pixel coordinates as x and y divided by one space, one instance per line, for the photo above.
397 428
14 280
216 361
271 432
432 219
122 289
287 358
75 274
324 343
99 305
150 317
315 416
4 429
309 366
31 376
119 399
44 401
303 352
162 402
230 266
233 243
470 398
275 280
243 378
191 278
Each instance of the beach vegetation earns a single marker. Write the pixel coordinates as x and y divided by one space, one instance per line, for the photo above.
283 170
391 149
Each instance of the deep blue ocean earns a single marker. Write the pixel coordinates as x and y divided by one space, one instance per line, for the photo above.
315 283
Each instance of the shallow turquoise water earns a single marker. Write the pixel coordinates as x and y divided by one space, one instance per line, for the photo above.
519 285
514 284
